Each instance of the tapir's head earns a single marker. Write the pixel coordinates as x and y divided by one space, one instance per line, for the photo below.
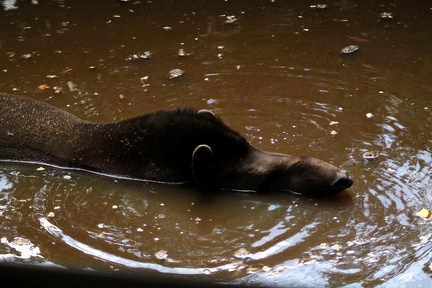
232 163
263 172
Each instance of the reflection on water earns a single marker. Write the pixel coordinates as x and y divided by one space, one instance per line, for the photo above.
273 71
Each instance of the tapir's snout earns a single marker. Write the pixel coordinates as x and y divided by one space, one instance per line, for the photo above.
343 181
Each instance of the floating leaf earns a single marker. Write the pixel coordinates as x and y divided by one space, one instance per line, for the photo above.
43 87
424 213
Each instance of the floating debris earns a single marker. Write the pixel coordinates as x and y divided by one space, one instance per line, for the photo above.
252 270
51 214
21 241
333 123
323 245
161 254
72 87
57 89
175 73
319 6
333 132
336 246
143 81
349 49
23 246
140 56
369 115
27 56
370 155
181 52
167 28
230 19
242 253
386 15
424 213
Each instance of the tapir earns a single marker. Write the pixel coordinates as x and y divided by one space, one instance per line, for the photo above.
169 146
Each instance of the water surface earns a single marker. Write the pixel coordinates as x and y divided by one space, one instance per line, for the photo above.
277 76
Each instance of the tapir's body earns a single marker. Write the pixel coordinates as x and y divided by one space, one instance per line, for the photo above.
176 146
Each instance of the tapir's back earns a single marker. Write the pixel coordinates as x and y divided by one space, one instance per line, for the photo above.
32 126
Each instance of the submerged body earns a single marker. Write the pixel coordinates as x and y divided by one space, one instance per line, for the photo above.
180 146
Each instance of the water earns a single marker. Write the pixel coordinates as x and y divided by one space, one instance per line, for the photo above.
277 76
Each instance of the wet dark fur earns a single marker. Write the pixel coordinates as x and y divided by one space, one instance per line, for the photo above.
182 145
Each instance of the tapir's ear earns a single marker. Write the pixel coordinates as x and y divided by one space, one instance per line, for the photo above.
202 164
209 112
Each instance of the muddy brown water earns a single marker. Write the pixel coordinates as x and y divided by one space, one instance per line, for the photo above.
275 74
